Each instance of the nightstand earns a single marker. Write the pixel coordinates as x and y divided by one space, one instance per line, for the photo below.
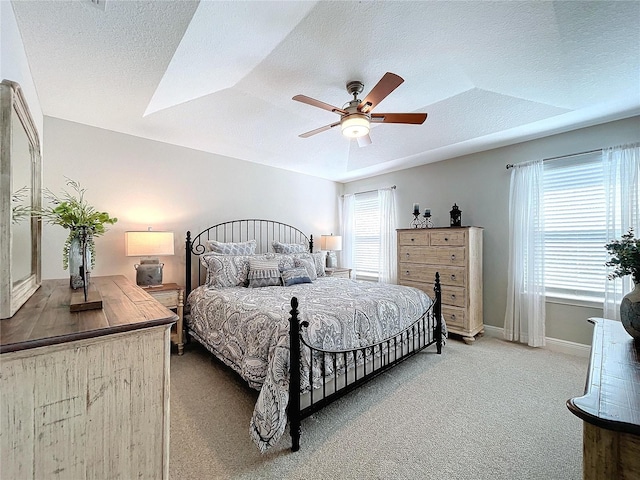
171 296
338 272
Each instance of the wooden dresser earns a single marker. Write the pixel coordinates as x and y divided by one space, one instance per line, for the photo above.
85 395
456 253
610 407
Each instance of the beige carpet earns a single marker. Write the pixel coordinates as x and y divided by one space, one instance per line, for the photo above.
492 410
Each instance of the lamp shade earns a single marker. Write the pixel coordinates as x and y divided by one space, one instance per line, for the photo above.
331 242
148 244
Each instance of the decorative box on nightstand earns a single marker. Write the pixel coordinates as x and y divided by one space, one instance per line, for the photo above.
171 296
338 272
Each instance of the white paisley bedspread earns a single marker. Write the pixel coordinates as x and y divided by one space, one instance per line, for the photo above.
248 329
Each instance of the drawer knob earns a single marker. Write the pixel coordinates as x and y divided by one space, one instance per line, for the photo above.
407 273
453 316
446 239
453 295
407 254
453 276
453 257
413 239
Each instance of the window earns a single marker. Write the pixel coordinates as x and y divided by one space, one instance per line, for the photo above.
574 228
367 235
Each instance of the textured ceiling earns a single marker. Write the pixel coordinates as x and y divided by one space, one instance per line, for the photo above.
219 76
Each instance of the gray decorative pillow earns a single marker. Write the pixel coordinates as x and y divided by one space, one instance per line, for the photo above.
279 247
232 248
309 265
226 270
263 272
318 258
294 276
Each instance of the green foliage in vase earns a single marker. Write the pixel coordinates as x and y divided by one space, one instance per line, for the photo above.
625 257
71 210
20 210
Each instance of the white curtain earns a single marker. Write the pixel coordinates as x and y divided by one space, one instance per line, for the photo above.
621 176
388 271
525 315
347 230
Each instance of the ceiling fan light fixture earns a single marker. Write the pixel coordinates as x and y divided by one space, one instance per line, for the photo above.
355 125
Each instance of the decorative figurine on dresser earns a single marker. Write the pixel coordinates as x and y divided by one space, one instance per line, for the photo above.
456 253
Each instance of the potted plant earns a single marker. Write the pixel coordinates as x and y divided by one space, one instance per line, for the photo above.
71 211
625 259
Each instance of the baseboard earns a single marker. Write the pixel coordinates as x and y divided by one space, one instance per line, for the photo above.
553 344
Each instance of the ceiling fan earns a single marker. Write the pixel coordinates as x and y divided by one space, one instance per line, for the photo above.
356 116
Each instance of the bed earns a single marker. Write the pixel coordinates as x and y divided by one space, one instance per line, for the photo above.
246 299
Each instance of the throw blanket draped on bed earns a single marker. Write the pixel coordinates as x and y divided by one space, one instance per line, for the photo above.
248 329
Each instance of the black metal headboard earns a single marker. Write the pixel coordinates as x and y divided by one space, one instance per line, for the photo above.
264 232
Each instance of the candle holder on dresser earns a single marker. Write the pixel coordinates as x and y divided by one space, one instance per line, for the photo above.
417 223
427 219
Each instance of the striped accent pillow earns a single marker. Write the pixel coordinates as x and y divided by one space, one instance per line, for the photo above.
263 272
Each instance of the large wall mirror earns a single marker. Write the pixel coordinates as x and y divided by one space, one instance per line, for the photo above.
20 193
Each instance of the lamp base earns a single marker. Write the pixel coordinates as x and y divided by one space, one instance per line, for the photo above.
149 273
332 260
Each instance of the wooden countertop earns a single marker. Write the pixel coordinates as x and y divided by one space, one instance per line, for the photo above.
45 318
612 392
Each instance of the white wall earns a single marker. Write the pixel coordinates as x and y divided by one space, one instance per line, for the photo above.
13 61
149 183
479 184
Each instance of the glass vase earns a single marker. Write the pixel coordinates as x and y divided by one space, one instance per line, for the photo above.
75 262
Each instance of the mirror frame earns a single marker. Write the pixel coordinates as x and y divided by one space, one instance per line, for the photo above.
14 295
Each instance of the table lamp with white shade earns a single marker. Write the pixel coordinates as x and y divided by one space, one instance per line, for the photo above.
149 245
331 243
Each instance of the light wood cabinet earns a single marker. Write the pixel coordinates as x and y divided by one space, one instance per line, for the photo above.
338 272
86 395
171 295
456 254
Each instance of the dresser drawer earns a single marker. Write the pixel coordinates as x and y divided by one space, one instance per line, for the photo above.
417 237
455 238
416 272
453 316
437 256
453 296
167 299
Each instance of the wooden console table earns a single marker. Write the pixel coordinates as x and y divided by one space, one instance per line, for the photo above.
610 407
86 394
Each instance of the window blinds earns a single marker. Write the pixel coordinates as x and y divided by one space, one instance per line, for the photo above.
575 233
367 234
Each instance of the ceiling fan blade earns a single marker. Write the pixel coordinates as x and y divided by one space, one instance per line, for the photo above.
387 84
412 118
317 103
364 140
318 130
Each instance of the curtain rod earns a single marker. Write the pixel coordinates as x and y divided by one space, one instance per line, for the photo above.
392 187
511 165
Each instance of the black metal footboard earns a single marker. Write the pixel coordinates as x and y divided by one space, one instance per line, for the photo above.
367 362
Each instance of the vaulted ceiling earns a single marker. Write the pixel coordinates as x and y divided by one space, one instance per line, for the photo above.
219 76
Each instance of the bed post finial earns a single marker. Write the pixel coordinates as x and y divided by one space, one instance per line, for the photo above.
437 312
294 376
187 277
